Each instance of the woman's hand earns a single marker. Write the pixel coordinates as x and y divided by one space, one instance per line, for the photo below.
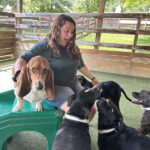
84 70
95 81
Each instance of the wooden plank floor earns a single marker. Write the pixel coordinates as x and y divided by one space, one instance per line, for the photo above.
125 63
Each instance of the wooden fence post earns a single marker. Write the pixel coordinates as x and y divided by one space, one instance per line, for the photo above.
19 10
136 35
100 22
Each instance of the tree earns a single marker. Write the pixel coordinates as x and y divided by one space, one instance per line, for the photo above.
136 5
61 6
84 6
111 5
38 6
4 3
88 6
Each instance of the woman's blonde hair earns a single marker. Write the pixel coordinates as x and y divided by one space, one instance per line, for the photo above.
53 37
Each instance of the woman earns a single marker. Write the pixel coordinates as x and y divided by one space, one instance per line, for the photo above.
64 57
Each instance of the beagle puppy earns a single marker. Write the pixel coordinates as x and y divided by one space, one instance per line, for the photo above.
34 82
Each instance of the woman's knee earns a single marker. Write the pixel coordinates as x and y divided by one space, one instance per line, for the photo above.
92 112
93 109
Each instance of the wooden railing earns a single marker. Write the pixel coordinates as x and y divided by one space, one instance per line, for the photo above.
7 35
86 24
29 28
35 26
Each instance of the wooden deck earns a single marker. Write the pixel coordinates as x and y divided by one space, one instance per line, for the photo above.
126 63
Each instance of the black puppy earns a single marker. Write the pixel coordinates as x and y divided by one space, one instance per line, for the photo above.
73 133
110 90
143 98
84 82
114 134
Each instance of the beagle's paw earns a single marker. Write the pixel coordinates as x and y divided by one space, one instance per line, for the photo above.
39 107
17 108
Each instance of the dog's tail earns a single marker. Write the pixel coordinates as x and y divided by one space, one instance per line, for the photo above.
125 95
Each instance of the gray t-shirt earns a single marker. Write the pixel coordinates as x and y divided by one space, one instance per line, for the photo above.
65 68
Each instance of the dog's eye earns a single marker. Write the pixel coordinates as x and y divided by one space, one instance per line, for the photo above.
33 70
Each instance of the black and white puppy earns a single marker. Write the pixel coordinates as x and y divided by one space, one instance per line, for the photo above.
73 133
114 134
110 89
143 98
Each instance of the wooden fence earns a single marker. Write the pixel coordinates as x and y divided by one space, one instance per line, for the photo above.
7 35
33 27
87 23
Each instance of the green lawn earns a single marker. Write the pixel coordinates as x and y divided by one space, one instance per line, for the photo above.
119 39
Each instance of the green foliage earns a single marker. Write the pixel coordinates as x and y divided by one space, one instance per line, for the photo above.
111 5
136 5
4 3
86 6
47 6
62 6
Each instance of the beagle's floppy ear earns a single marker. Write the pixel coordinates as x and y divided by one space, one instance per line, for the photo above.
24 85
49 85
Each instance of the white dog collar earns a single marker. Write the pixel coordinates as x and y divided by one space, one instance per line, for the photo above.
67 116
105 131
146 108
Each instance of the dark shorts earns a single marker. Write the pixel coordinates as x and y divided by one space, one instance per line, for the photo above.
62 93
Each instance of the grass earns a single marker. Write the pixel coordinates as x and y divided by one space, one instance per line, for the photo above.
110 38
119 39
144 40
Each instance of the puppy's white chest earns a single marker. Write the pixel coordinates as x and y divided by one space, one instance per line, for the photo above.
35 96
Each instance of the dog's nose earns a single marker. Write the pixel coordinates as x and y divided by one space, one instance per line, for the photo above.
39 86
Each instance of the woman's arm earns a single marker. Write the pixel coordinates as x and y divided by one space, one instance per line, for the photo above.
84 70
36 50
19 63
